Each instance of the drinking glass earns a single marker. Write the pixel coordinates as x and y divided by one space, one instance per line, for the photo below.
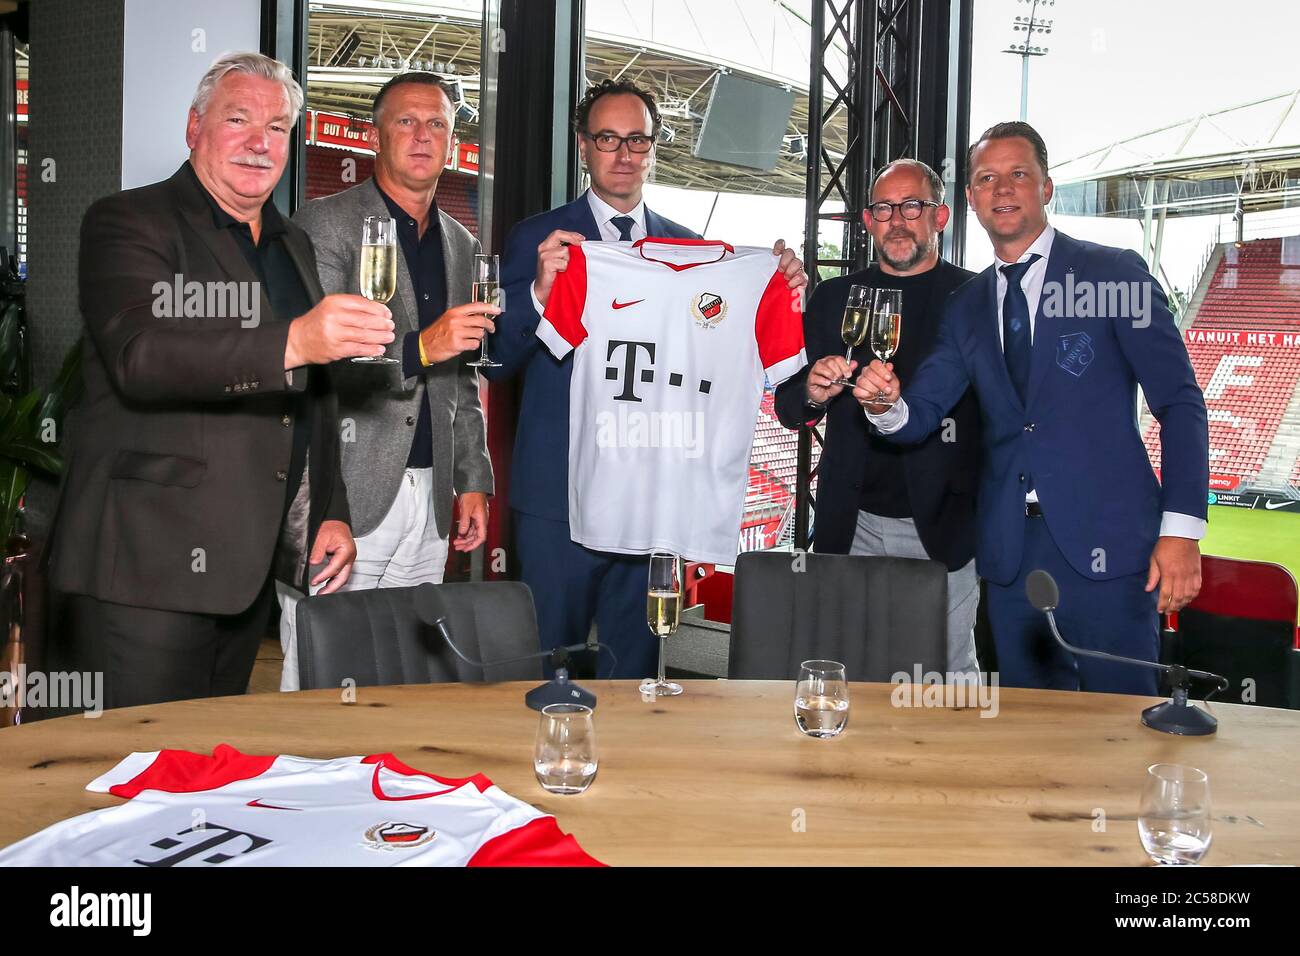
663 611
854 324
378 269
486 290
1174 817
886 327
565 756
821 699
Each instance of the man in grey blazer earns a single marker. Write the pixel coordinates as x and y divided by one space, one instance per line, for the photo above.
412 434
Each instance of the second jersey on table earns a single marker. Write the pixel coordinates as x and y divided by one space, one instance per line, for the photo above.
673 341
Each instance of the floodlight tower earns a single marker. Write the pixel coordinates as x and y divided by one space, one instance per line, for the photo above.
1030 26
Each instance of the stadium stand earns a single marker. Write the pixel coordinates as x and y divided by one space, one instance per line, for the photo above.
1244 343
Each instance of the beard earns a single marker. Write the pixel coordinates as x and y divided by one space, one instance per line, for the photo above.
918 254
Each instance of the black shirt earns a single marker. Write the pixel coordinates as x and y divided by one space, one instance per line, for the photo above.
270 259
425 263
884 487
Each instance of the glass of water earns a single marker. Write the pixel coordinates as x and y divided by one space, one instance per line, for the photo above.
565 757
821 699
1174 817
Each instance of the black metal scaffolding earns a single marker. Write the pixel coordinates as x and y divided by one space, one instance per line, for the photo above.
904 95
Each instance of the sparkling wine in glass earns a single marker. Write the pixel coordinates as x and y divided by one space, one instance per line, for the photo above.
821 699
663 613
1174 819
486 290
886 326
854 324
378 269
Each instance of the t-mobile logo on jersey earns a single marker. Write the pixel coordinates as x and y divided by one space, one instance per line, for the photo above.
633 373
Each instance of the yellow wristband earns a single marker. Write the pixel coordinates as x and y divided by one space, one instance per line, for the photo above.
424 359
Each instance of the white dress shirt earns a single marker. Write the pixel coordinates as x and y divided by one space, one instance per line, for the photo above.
604 214
892 419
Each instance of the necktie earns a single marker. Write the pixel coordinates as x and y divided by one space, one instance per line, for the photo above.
1015 326
624 226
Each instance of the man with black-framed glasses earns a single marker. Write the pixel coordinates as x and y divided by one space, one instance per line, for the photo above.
873 496
616 124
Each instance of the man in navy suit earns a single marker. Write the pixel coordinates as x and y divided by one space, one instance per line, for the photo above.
616 124
1056 337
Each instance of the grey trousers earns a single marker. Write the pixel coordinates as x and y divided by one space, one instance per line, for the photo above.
897 538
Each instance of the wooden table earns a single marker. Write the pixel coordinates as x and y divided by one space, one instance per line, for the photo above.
720 775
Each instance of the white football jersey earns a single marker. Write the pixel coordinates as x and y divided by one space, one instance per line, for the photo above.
673 338
234 809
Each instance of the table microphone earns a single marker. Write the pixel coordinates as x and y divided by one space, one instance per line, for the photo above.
1175 716
432 610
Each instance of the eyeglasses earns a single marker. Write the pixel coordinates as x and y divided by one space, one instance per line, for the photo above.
912 209
609 143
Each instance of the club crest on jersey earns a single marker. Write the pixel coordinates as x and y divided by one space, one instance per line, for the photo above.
709 309
398 836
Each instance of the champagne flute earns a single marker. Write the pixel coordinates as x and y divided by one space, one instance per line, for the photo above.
886 328
853 327
378 269
1174 816
663 611
487 290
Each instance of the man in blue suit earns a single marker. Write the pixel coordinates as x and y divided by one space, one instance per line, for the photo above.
1055 338
616 124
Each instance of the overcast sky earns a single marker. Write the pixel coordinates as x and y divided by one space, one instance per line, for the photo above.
1115 68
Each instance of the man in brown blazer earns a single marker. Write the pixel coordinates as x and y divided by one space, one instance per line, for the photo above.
203 456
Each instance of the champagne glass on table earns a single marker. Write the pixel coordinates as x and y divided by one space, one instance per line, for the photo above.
854 325
487 291
886 327
378 269
1175 814
663 613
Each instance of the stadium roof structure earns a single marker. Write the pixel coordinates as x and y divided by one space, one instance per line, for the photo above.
1201 166
672 47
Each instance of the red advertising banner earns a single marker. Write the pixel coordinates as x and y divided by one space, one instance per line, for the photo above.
1278 340
21 88
467 157
331 129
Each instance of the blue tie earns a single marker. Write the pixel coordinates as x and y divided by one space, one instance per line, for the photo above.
624 226
1015 326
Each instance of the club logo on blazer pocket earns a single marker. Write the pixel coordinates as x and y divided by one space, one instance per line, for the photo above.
1074 353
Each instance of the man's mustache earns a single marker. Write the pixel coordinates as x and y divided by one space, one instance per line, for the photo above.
261 162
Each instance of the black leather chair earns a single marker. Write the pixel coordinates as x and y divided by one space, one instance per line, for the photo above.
374 637
877 616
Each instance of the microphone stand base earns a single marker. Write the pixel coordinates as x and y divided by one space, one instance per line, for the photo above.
559 691
1182 719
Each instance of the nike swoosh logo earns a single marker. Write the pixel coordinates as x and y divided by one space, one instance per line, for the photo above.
624 305
269 806
1274 505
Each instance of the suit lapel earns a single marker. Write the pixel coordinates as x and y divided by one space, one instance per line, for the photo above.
194 207
293 241
1060 261
457 271
583 221
405 316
